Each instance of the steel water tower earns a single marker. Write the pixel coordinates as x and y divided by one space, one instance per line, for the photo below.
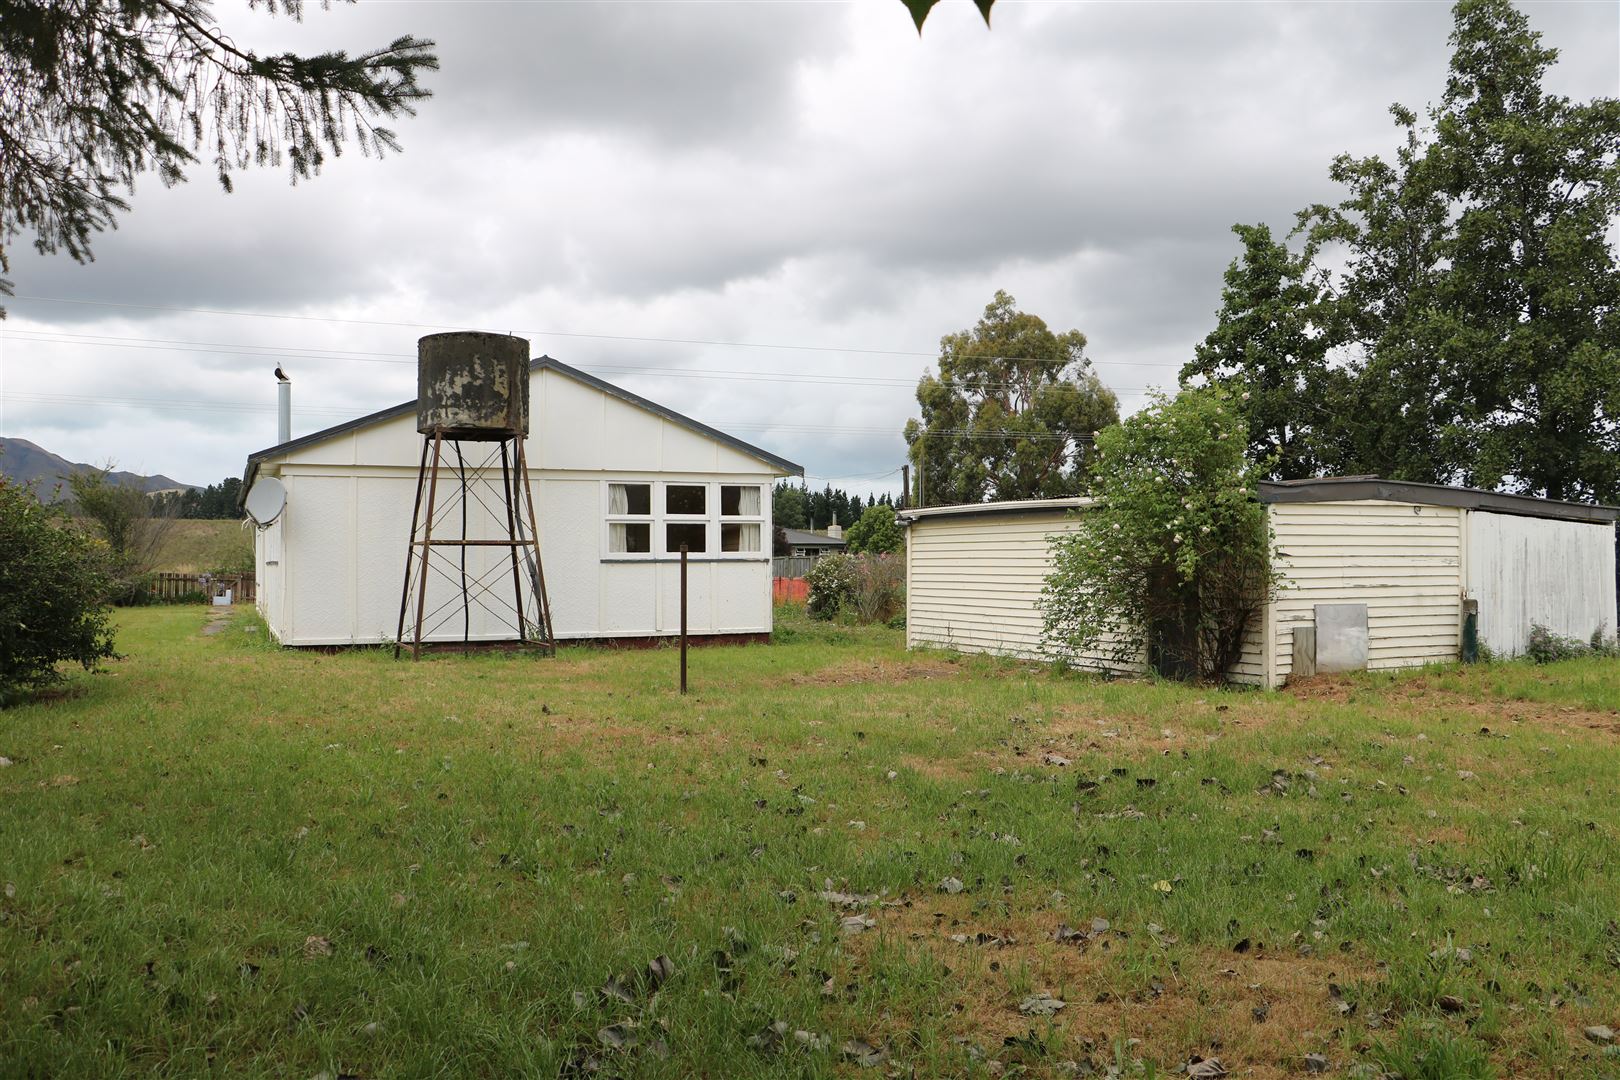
474 534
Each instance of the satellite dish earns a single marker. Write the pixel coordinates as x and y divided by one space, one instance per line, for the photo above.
265 500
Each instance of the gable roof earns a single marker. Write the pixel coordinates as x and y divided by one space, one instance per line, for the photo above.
545 363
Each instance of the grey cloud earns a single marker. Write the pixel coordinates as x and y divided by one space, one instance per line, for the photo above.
670 74
784 172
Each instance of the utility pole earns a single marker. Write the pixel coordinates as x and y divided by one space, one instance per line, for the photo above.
922 472
905 486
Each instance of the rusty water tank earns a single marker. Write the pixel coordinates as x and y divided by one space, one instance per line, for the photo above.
472 385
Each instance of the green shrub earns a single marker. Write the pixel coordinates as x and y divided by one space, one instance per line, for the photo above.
1546 647
880 588
1173 562
832 584
859 588
54 584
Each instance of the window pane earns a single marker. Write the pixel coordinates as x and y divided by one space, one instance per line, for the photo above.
739 538
693 534
739 500
629 499
634 538
685 499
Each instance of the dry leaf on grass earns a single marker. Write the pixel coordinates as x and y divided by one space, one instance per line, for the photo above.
863 1053
1041 1004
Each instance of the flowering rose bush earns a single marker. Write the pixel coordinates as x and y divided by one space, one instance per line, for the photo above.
1173 560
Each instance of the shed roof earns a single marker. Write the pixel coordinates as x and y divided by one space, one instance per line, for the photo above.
543 363
1331 489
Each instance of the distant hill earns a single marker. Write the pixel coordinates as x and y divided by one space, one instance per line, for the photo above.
24 461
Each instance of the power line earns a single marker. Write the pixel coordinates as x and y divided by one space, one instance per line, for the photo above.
282 353
717 343
202 405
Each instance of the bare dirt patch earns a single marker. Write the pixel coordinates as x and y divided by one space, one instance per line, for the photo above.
953 769
860 672
1495 713
1259 1011
1083 727
1330 688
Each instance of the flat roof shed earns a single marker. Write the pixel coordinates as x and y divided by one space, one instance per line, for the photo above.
1385 567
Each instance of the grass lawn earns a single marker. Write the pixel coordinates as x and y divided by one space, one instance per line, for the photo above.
220 857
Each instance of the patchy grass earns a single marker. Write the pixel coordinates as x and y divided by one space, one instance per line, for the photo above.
195 545
225 857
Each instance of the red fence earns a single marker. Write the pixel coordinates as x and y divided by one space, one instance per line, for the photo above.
785 590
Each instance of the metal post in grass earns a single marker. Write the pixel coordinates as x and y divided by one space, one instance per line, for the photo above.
683 618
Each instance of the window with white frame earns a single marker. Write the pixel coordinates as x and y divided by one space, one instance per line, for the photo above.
630 519
647 519
741 518
686 518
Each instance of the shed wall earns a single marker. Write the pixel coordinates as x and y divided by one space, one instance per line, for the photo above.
974 583
1537 570
1404 561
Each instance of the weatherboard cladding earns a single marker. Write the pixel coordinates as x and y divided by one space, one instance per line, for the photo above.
974 583
975 572
1403 560
543 363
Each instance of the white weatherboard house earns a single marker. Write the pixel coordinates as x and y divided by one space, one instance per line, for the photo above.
1400 561
619 484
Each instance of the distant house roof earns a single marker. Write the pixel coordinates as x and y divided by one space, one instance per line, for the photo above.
1330 489
544 363
805 538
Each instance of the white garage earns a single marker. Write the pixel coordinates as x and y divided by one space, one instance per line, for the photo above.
1403 562
619 483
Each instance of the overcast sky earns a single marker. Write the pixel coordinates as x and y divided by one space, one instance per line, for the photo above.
639 187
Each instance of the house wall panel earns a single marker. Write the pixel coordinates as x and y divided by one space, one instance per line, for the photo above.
973 583
570 550
318 538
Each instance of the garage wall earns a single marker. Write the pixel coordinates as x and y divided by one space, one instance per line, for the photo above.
1404 561
1526 570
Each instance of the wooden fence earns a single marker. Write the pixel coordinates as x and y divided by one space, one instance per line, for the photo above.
176 586
792 566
